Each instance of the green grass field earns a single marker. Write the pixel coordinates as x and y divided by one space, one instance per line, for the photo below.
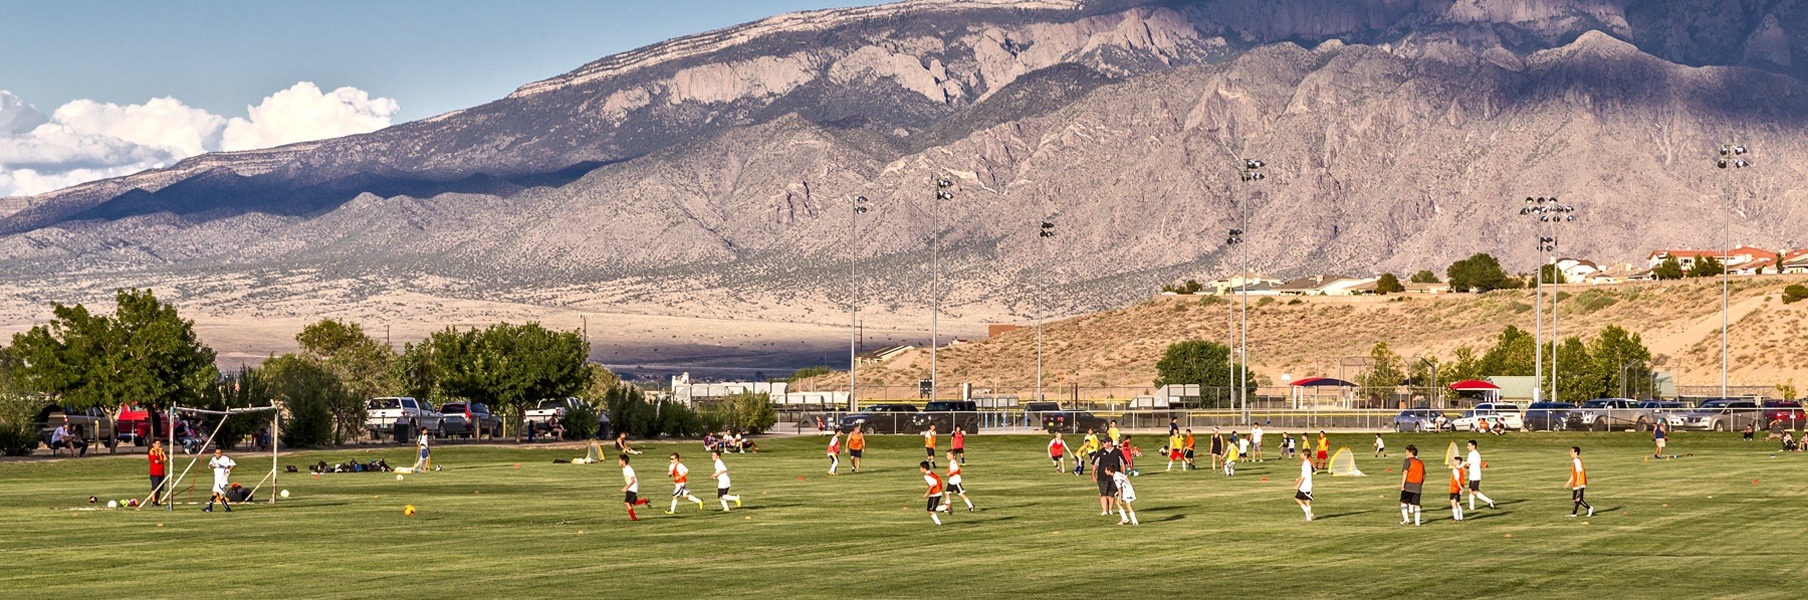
1723 522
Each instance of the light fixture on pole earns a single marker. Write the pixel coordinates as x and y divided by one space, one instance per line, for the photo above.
1232 240
1046 231
859 206
1544 210
943 191
1250 172
1732 158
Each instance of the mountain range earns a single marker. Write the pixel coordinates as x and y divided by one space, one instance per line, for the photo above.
712 174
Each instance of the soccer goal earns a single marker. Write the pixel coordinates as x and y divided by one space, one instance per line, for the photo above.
1344 463
595 455
169 485
1450 454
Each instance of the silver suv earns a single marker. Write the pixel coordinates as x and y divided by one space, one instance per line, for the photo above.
1603 414
1719 414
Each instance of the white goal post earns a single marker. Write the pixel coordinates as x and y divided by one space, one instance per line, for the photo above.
169 485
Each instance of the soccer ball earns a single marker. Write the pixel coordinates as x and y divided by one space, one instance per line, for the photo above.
92 500
132 502
408 511
284 493
112 504
398 477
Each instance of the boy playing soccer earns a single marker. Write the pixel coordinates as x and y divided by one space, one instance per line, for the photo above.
929 444
631 489
1474 464
954 483
1380 447
1190 465
1457 476
222 466
1230 455
1255 439
1412 486
834 452
1578 482
1174 442
957 444
934 492
856 447
1324 449
681 477
1126 514
721 476
1089 450
1302 487
1057 452
1242 446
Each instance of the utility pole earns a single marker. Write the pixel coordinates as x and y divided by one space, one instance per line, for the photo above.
859 206
1046 231
1732 157
943 191
1250 172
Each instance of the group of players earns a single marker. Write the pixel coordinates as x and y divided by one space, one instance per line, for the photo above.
680 475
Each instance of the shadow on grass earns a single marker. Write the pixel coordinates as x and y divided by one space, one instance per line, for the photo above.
1340 515
1172 517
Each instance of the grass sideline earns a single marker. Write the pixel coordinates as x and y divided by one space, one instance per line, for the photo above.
1718 523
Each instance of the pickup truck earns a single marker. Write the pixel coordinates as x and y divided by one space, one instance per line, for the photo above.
92 424
382 414
1604 414
552 409
134 425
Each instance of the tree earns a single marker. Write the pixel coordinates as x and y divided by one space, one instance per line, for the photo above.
1669 269
508 366
808 372
1787 390
1463 365
143 353
245 389
1384 375
1511 355
1388 284
1428 376
1478 273
1577 379
1707 266
1622 363
1795 293
1551 274
308 392
415 371
1207 365
18 410
363 366
1424 276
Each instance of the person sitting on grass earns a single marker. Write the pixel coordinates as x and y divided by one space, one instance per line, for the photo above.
1748 432
621 444
1789 443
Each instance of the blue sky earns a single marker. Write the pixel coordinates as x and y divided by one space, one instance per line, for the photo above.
91 90
431 57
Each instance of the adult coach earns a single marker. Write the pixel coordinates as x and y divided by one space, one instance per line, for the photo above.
1412 486
1474 464
1113 459
159 469
1659 435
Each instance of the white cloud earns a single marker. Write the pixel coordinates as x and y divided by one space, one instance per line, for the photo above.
85 140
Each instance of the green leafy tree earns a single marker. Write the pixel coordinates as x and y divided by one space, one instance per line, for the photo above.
1388 284
510 367
1463 365
1551 274
1513 354
1618 353
1479 273
1788 390
1428 375
629 411
1424 276
143 353
416 372
1795 293
245 389
1577 378
1707 266
1207 365
1384 375
753 413
1669 269
308 392
363 365
808 372
18 410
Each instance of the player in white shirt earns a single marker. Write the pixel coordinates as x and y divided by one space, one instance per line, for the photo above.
681 486
423 458
721 476
1474 464
1255 439
1302 487
1380 447
222 466
1126 514
630 488
1243 447
954 484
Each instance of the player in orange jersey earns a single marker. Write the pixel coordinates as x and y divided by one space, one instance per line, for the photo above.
1578 482
681 478
934 492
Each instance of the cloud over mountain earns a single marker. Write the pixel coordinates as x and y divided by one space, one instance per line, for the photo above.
85 140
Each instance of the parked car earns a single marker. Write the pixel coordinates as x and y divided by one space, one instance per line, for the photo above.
134 425
1474 419
1788 413
542 417
1510 414
470 419
1420 419
93 424
1647 413
383 414
1719 414
1603 414
879 418
1548 416
952 406
1074 421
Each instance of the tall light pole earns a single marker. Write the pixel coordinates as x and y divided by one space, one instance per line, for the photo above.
859 206
1250 172
1732 157
1233 240
943 191
1544 210
1560 213
1046 231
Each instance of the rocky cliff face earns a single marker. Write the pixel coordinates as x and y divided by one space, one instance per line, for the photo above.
1400 133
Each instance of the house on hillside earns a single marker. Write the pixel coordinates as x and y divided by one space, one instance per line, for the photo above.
1368 289
1576 270
1731 258
1620 273
1794 262
1235 283
884 354
1322 285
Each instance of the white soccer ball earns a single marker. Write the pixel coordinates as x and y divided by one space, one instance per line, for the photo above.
112 504
398 477
284 493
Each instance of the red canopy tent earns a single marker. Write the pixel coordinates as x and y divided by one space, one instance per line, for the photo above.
1488 391
1298 388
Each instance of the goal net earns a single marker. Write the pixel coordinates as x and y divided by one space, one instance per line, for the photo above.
1450 454
170 485
1343 463
593 456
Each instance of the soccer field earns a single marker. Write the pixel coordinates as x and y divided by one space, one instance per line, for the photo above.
506 521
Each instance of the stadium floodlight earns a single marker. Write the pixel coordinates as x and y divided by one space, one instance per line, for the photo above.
1043 233
859 206
1250 172
944 190
1547 210
1732 158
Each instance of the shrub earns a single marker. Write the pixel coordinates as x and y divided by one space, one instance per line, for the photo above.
1795 293
17 440
752 413
309 424
580 422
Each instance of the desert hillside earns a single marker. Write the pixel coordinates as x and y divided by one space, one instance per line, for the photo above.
1678 320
